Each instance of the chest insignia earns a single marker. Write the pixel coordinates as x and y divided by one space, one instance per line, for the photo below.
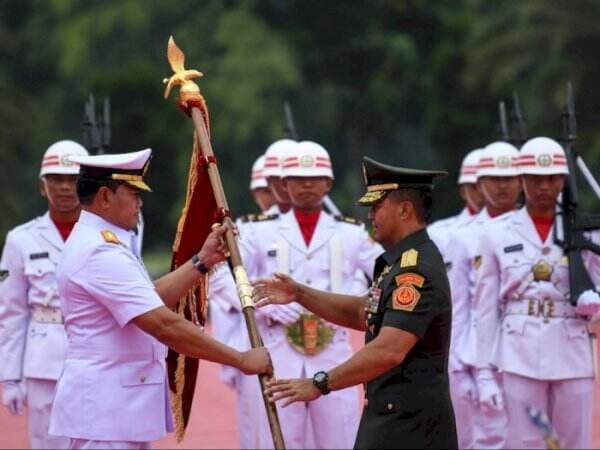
513 248
406 295
3 275
110 237
477 262
409 258
40 255
374 296
542 271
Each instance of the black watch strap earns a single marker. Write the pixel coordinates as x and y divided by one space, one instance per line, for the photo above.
199 265
321 382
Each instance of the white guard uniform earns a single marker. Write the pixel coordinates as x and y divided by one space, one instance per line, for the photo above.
527 329
111 365
32 336
337 250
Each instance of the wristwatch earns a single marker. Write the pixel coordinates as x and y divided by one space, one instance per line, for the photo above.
199 265
321 382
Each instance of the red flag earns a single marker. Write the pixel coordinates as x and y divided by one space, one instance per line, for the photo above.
197 217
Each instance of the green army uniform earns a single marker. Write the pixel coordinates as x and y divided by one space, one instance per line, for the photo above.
409 406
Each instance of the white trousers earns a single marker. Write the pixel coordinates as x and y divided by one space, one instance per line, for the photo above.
40 395
463 392
568 404
84 444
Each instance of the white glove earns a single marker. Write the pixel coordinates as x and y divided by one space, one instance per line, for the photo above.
588 303
13 396
490 395
284 314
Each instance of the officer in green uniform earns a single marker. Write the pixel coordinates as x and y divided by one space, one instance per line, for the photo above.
406 318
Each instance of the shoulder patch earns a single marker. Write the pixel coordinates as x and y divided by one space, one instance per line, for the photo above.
409 258
410 278
477 262
3 275
41 255
513 248
110 237
405 297
347 219
258 217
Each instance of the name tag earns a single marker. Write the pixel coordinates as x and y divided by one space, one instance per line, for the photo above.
272 252
513 248
41 255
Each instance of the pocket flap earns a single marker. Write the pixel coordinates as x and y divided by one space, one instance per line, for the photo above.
575 328
142 372
514 324
38 267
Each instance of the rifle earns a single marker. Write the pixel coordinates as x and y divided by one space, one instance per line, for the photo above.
521 128
289 130
96 131
503 124
570 223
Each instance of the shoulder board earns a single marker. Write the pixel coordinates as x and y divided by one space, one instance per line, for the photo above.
110 237
258 217
346 219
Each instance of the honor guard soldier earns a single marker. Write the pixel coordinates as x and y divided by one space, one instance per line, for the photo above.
480 418
32 336
325 252
259 188
441 230
272 171
526 327
113 390
406 317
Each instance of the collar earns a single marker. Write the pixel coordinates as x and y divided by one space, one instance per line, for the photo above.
304 218
95 221
393 254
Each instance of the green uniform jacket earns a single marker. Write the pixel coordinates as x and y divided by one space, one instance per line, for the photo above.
409 406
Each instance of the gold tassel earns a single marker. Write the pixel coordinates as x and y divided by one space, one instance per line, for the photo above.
177 397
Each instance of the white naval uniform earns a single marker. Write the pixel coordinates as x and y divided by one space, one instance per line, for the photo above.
32 337
113 390
542 347
336 252
477 428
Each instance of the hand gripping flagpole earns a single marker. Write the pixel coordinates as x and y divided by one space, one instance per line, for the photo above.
192 103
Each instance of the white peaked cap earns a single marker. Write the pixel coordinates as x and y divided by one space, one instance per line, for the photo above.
127 167
542 156
498 159
257 178
56 159
309 159
275 154
468 168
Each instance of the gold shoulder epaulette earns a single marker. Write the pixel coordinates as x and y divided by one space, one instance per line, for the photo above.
110 237
409 258
347 219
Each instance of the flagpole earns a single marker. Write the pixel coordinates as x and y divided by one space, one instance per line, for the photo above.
191 101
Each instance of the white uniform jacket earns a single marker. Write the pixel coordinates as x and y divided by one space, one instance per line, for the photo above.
114 384
29 348
336 252
524 326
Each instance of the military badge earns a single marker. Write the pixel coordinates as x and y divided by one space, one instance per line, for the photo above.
409 258
503 162
3 275
477 262
544 160
110 237
542 271
406 296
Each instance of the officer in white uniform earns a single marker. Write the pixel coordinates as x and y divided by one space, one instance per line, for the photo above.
301 343
32 336
526 327
440 231
113 390
274 156
480 419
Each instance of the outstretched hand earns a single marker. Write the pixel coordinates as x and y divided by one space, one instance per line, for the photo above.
278 290
294 390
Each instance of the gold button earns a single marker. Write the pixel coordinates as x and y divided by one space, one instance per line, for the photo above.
369 315
308 256
143 379
390 406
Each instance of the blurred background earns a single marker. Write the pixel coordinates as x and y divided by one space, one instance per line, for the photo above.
412 83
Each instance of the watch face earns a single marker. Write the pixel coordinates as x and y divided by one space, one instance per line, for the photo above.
320 377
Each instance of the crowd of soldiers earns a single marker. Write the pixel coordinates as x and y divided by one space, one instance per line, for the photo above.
517 341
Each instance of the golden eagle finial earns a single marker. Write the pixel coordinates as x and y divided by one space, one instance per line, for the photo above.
181 76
